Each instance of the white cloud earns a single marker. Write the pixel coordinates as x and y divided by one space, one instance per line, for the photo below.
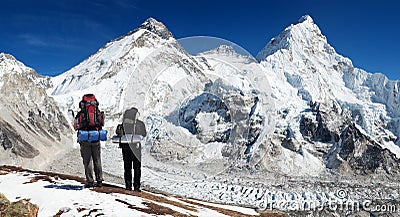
33 40
48 41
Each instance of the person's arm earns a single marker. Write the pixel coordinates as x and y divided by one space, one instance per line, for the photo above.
76 121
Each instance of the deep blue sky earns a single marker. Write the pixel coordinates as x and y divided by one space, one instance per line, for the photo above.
52 36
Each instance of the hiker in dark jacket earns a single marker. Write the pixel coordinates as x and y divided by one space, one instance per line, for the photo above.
131 151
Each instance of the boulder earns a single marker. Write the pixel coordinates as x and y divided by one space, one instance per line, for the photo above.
21 208
4 203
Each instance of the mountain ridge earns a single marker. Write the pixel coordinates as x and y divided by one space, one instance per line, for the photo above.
31 123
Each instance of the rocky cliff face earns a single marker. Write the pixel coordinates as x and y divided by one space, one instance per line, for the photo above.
31 123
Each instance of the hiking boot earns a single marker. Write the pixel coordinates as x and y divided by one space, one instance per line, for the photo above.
137 190
99 184
89 185
128 188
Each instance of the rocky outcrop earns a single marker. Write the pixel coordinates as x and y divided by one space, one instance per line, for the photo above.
358 153
352 150
4 140
11 139
20 208
324 123
4 203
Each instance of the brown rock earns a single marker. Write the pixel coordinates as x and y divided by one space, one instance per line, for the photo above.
3 172
21 208
4 203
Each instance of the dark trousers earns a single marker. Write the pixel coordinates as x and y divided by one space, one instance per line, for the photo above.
91 152
131 158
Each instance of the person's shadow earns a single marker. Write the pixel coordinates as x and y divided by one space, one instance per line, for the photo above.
66 187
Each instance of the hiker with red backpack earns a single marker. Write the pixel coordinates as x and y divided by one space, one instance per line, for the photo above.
89 122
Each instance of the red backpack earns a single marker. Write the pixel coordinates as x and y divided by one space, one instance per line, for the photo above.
90 117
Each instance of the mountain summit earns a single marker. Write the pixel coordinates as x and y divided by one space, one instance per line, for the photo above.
306 18
116 58
156 27
305 36
9 64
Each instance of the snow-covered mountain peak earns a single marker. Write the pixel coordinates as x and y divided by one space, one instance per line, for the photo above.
306 18
228 53
156 27
9 64
328 93
4 56
225 50
302 56
123 67
303 38
116 60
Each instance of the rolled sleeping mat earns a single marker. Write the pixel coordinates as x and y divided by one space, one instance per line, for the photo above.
92 135
127 138
103 135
